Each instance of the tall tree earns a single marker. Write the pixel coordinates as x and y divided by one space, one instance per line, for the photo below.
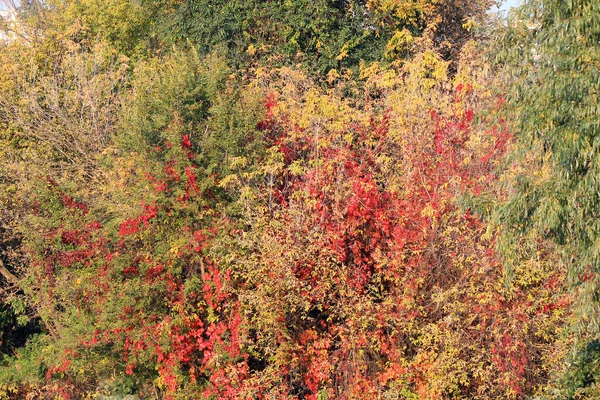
553 79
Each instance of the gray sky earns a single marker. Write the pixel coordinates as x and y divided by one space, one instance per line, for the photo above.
4 2
508 4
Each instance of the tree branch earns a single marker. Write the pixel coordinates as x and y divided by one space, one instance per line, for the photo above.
7 274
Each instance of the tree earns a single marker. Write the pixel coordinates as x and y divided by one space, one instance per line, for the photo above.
321 35
186 224
363 275
551 52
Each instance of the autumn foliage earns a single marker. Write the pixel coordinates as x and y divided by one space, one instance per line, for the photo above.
180 225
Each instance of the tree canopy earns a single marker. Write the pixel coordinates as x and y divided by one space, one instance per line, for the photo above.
306 200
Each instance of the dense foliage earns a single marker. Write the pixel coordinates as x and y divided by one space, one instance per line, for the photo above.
314 200
553 48
318 35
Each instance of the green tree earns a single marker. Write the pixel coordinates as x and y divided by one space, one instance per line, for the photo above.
321 34
552 56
